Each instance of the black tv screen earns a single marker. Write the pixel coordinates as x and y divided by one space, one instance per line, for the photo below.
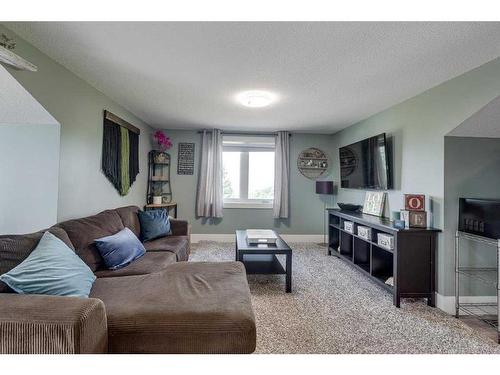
479 216
365 164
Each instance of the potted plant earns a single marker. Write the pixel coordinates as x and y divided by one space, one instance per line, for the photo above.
157 194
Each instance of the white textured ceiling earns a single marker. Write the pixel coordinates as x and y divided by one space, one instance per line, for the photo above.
17 106
485 123
329 75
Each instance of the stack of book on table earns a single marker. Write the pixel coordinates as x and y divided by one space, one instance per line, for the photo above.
261 236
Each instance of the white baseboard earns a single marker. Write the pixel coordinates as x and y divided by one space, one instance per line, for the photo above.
447 303
195 237
308 238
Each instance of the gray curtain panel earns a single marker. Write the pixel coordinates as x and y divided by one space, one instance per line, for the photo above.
210 186
281 175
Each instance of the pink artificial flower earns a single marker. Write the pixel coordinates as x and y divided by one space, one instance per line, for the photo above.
163 141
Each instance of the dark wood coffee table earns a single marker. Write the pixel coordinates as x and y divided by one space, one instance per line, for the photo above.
261 258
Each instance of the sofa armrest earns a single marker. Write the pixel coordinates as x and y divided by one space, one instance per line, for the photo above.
180 227
37 324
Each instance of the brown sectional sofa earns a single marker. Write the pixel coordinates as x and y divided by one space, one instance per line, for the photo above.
158 304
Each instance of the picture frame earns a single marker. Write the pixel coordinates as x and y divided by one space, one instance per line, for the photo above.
185 158
374 203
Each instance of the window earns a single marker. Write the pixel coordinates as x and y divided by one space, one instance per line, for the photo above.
248 166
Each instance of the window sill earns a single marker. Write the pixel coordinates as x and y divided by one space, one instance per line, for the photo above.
254 205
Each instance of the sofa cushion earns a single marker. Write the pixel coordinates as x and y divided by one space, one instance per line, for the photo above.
179 245
180 227
120 249
83 232
130 219
154 224
187 308
16 247
148 263
51 269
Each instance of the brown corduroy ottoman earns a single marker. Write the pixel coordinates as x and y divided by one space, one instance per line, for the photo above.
194 307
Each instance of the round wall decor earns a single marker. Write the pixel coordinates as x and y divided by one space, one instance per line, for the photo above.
348 162
312 163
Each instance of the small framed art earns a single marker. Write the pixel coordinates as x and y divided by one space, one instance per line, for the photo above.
374 203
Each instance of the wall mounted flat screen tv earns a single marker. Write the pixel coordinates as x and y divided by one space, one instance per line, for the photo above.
365 164
479 216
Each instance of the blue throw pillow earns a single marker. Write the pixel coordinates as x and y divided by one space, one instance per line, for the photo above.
154 224
120 249
53 269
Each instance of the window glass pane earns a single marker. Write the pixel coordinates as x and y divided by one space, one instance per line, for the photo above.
260 175
231 170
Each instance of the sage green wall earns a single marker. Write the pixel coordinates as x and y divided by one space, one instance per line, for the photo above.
472 170
78 107
418 127
306 207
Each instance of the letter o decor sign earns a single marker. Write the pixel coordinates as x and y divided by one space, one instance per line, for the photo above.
414 202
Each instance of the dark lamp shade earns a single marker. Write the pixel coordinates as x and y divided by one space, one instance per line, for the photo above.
324 187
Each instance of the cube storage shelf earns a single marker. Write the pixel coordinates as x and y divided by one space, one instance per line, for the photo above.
411 263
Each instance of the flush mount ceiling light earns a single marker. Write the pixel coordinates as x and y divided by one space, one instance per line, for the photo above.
256 98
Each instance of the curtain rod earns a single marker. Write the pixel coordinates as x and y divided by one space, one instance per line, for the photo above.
244 133
117 120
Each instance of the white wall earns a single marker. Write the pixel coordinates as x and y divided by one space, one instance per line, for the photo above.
29 173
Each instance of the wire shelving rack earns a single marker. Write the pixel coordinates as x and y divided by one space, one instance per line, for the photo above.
488 312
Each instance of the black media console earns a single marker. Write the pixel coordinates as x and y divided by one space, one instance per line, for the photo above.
411 263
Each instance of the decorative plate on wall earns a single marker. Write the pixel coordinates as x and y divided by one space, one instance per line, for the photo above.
348 162
312 163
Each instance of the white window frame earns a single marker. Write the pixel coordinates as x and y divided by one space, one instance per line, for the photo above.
246 144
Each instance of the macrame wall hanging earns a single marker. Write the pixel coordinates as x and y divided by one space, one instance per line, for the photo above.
120 152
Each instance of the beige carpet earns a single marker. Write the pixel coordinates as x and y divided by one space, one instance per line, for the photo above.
335 309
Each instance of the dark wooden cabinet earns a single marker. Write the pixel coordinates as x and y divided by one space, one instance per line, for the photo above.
411 263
